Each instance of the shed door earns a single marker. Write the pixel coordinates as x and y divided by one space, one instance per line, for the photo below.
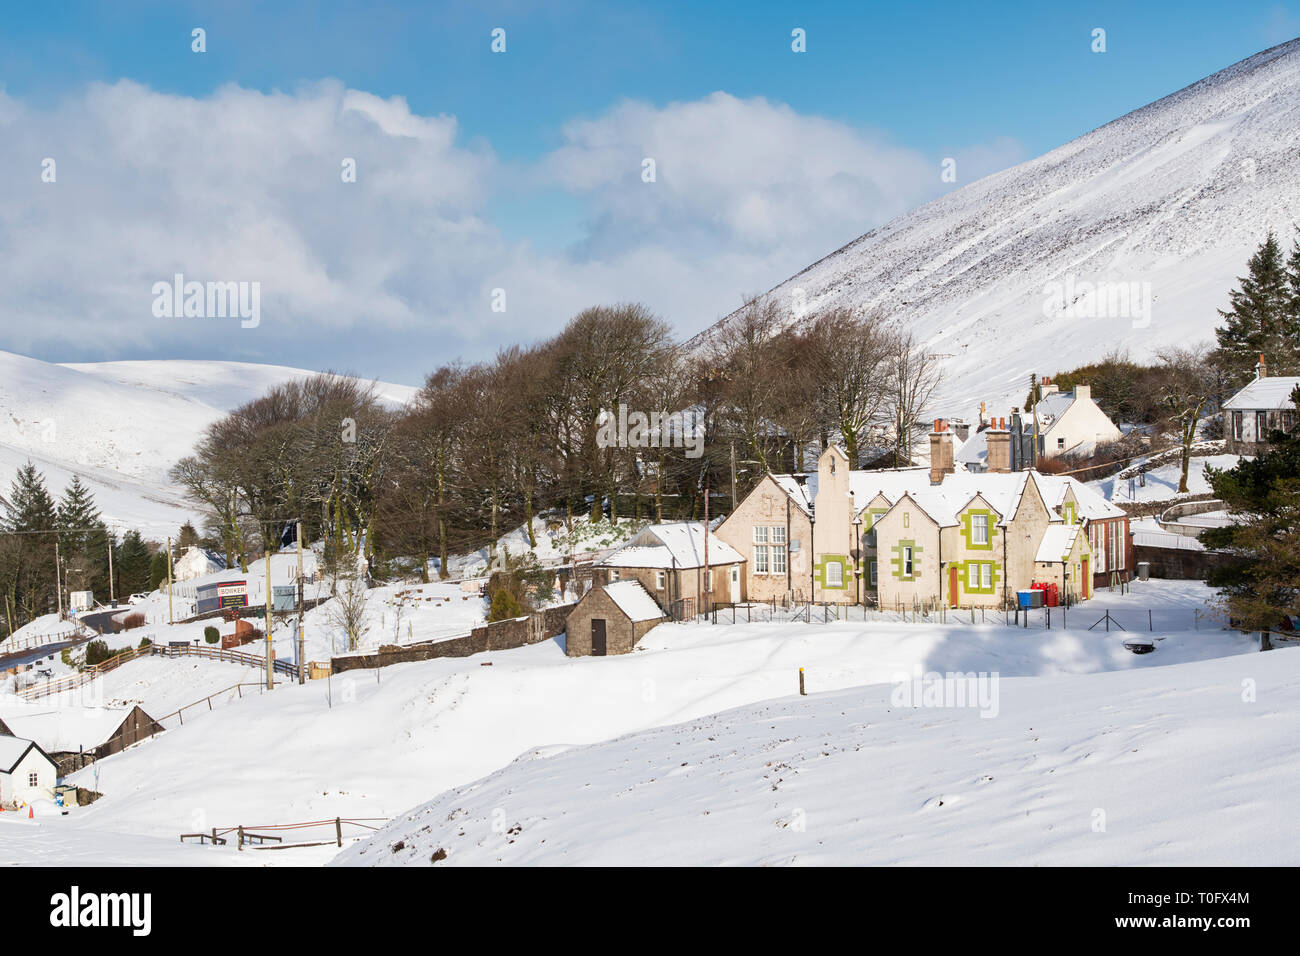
598 637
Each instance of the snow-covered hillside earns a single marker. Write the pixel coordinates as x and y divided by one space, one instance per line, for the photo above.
1173 197
121 426
1185 765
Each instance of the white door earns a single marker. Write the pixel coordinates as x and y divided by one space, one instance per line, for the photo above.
735 584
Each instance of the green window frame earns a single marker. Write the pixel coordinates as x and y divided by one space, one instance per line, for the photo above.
905 565
968 528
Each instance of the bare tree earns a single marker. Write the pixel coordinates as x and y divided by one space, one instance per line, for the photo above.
1188 382
913 377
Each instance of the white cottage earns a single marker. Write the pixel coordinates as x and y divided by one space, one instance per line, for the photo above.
26 772
1262 406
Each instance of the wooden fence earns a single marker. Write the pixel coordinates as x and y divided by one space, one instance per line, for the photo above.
259 836
94 671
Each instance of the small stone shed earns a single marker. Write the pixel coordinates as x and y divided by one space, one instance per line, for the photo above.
610 620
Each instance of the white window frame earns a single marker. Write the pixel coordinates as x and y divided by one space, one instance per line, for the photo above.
874 572
33 779
837 581
661 579
978 524
907 562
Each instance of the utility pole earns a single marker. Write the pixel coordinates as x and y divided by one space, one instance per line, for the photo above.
170 617
302 632
733 477
1034 394
58 578
270 667
708 580
110 568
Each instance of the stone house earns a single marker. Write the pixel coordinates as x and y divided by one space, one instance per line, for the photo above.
922 536
669 562
610 619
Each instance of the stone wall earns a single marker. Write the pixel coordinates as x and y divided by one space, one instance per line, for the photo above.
539 626
1180 563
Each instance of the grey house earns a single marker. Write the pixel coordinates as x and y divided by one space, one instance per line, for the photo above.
1262 406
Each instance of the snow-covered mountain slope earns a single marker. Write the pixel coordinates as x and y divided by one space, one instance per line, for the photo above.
1173 197
1167 765
121 425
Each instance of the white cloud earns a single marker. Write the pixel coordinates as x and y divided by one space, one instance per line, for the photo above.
244 185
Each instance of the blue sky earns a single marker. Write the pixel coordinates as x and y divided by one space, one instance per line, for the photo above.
523 144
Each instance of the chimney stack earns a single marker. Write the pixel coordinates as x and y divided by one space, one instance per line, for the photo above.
941 453
1261 370
999 449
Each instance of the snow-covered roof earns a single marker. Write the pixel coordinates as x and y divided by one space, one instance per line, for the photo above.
677 544
634 601
974 450
944 502
1092 504
65 728
1273 392
12 750
1051 407
1058 541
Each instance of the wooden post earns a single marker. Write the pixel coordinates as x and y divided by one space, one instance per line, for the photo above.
338 830
170 618
270 669
241 836
802 691
302 631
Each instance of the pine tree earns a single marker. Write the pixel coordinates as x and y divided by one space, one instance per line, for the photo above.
132 561
1260 582
1261 319
83 539
28 566
188 538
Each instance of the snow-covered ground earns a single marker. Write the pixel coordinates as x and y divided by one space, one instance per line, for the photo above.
122 425
555 543
1161 483
374 743
1185 765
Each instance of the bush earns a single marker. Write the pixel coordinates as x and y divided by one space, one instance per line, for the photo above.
133 620
97 652
505 606
211 634
145 642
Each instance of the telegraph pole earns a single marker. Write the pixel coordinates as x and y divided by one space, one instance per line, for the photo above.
270 668
110 567
170 617
302 632
1034 394
58 578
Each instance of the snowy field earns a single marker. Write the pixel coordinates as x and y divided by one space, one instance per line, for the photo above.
375 743
1162 482
1161 766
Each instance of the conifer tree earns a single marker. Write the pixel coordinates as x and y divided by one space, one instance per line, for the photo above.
1261 320
29 573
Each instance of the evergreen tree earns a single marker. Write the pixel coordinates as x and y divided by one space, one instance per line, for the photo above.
1261 581
131 561
83 540
28 559
158 569
1261 320
188 538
